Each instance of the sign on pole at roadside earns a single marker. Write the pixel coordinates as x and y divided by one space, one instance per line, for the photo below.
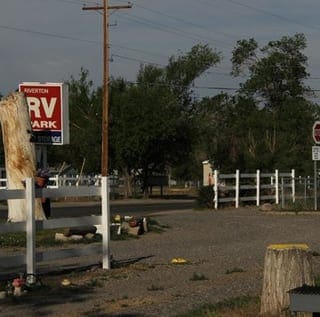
49 111
316 132
316 153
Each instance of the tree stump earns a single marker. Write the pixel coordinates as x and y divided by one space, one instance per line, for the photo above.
20 159
286 266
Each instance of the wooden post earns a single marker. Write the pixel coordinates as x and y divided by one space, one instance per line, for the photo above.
286 267
20 158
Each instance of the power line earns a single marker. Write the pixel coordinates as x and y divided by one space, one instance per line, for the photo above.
182 20
171 30
47 34
278 16
136 60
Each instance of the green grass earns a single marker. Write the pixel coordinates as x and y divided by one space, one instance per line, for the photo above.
155 226
154 288
243 306
297 206
198 277
235 270
46 238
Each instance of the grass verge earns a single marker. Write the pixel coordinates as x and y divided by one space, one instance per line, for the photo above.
244 306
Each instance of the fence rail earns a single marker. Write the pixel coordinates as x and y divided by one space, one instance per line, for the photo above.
258 187
31 226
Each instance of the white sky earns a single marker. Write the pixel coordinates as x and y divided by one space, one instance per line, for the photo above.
33 47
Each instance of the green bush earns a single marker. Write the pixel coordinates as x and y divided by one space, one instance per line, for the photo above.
205 197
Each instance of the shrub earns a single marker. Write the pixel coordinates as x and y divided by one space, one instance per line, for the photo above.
205 197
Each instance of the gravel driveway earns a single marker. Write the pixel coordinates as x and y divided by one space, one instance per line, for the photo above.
225 253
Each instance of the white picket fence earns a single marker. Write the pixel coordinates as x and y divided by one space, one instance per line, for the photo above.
68 180
229 187
31 226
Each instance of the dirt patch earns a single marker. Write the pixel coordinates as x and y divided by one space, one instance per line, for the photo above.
225 248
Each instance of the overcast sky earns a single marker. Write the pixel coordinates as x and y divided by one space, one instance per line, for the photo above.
50 40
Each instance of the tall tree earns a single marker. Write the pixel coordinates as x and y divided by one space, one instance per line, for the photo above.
276 83
85 126
151 121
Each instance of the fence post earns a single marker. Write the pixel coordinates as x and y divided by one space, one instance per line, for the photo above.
293 177
277 186
57 181
237 193
258 187
105 221
30 228
216 188
283 194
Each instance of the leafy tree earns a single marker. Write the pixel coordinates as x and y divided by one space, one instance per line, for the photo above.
267 124
152 121
276 83
85 126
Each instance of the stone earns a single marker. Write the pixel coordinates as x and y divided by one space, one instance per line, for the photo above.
266 207
60 237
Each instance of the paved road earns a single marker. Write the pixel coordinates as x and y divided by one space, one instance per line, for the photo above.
124 207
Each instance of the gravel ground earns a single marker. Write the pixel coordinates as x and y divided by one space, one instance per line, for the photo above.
225 247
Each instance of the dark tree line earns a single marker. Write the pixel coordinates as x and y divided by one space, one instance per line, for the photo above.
156 126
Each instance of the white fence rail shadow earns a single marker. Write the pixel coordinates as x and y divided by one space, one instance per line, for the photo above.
257 187
30 226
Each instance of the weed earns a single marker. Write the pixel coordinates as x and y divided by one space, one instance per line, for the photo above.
198 277
317 280
235 270
155 226
205 197
297 206
239 306
155 288
95 283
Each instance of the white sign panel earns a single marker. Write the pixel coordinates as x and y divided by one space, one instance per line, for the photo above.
316 153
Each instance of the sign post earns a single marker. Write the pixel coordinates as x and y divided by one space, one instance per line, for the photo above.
315 158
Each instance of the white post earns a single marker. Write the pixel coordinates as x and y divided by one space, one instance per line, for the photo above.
293 185
258 187
105 223
237 189
216 188
277 186
30 228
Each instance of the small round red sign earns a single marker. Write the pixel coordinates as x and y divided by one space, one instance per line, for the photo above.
316 132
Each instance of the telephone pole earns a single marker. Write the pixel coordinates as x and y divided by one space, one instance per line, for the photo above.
105 99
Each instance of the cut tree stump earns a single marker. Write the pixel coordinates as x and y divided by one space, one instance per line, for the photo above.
286 267
20 158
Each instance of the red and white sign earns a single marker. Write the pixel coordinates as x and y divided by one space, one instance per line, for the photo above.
316 132
49 111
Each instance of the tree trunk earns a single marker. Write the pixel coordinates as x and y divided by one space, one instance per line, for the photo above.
286 266
127 183
20 158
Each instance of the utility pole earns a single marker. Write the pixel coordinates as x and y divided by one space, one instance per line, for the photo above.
105 101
